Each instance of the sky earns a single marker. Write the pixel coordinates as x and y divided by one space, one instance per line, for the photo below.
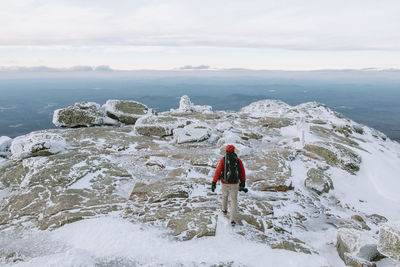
149 34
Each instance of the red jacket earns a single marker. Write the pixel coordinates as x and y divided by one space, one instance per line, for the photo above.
221 167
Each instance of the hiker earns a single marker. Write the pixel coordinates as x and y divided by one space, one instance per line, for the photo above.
233 179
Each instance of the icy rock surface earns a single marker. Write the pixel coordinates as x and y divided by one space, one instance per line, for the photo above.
126 111
389 240
81 114
37 144
144 189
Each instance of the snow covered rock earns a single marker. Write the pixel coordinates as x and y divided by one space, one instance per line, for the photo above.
389 240
158 125
266 108
318 181
81 114
348 241
186 106
126 111
194 132
5 143
37 144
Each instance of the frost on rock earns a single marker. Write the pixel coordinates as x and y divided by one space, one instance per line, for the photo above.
186 106
126 111
318 181
5 143
158 125
37 144
81 114
348 241
194 132
266 108
389 240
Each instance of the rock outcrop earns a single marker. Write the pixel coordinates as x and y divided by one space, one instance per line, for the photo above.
82 114
127 112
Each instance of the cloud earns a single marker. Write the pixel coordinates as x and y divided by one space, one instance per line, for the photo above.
290 24
51 69
199 67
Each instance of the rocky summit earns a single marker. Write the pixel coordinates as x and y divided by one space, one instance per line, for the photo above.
322 188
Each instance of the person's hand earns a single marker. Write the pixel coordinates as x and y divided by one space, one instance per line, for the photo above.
213 186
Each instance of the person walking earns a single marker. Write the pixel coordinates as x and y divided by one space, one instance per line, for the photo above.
233 177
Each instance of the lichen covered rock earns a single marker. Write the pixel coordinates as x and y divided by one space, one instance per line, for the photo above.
81 114
389 240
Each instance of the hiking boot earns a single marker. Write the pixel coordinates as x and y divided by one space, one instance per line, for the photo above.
233 223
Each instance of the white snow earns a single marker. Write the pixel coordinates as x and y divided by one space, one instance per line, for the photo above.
86 242
23 146
266 108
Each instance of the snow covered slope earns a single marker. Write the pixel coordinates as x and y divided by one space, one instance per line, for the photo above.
320 187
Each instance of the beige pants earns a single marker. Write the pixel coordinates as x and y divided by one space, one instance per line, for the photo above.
232 191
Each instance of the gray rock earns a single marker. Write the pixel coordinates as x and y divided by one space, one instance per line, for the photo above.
318 181
126 111
81 114
389 240
352 260
370 252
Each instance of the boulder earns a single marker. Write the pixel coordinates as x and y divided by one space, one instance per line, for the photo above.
81 114
389 240
37 144
318 181
347 241
194 132
126 111
159 125
370 252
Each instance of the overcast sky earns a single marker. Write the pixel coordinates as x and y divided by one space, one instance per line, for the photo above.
149 34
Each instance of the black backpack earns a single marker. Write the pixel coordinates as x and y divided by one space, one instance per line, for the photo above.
232 172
